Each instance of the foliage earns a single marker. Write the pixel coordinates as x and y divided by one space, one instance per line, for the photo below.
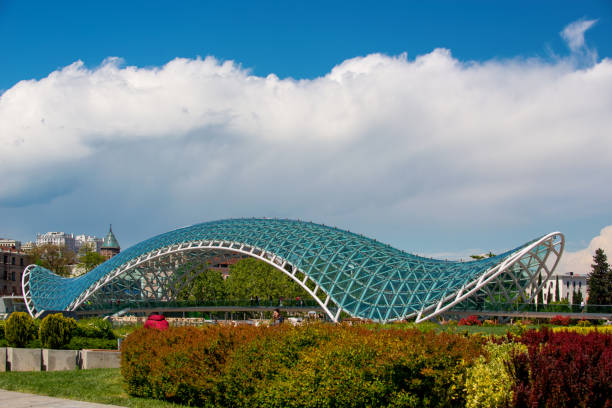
90 260
489 382
251 277
247 279
337 366
470 321
80 343
53 257
599 280
584 323
2 336
585 330
559 320
55 331
95 328
207 286
19 329
563 369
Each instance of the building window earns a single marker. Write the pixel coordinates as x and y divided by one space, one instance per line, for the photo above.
12 276
5 275
5 258
13 260
20 261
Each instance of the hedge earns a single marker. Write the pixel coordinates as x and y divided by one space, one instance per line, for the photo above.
308 366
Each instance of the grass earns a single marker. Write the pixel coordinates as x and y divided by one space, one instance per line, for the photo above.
104 386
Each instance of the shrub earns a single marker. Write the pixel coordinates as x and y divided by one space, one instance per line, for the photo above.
585 330
489 382
489 323
80 343
95 328
559 320
305 366
563 369
56 331
2 336
19 329
584 323
470 321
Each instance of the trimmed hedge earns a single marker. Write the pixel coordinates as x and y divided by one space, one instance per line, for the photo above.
307 366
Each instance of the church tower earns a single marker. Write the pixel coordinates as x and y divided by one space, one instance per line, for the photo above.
110 245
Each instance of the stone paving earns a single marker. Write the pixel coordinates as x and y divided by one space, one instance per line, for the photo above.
11 399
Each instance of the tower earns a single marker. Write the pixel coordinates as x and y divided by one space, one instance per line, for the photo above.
110 245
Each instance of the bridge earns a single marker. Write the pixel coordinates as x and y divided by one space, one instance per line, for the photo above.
340 270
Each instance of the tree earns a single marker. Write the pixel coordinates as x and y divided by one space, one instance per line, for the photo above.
207 286
557 296
89 260
252 277
599 280
56 258
577 297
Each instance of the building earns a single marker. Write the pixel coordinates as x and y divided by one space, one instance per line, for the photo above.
28 246
12 264
93 244
110 245
57 238
10 243
341 271
569 283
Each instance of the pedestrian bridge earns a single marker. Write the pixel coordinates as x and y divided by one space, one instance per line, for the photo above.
340 270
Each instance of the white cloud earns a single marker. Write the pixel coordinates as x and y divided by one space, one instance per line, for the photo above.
580 262
419 145
573 33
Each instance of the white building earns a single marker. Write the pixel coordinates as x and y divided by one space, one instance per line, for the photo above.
568 284
57 238
94 243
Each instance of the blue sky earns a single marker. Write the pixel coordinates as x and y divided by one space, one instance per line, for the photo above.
291 39
441 127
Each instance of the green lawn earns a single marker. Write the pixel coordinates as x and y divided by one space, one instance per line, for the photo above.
104 386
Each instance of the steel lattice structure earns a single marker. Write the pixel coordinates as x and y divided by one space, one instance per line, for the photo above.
342 271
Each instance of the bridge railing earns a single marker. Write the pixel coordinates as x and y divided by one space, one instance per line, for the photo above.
123 304
531 307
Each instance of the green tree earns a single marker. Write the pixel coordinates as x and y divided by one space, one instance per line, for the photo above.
19 329
557 296
599 280
53 257
251 277
89 260
207 286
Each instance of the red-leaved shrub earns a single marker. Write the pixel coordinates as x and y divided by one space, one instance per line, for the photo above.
560 320
563 369
470 321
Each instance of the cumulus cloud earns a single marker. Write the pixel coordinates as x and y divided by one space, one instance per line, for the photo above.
580 261
416 144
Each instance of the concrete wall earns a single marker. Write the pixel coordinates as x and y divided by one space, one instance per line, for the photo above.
100 359
21 359
2 359
59 360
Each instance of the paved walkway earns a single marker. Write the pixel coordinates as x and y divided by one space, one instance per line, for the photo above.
11 399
